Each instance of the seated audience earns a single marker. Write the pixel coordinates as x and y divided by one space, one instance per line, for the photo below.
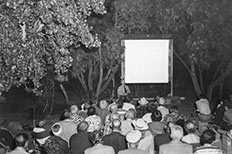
113 116
161 139
204 112
191 136
126 125
21 141
133 138
142 108
162 108
98 148
156 126
173 115
103 111
176 146
151 107
80 142
93 120
115 139
206 140
147 141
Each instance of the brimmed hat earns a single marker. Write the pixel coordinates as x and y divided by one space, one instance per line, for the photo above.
133 136
55 127
127 106
140 124
143 101
40 134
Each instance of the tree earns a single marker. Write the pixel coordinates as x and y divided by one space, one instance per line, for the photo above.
202 34
35 34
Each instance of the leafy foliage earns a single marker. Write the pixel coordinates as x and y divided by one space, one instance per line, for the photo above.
38 33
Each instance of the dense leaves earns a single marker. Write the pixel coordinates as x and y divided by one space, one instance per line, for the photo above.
38 33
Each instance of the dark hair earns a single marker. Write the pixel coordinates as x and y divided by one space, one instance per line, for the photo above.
91 111
152 106
173 108
203 96
156 116
96 137
207 137
21 139
120 103
82 126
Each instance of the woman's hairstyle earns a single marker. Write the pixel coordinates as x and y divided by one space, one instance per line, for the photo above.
96 137
156 116
207 137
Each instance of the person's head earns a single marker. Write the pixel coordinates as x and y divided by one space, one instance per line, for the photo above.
113 108
161 101
82 126
129 115
96 137
176 132
189 127
133 137
14 127
207 137
114 116
21 140
74 109
156 116
143 101
173 109
152 106
116 124
120 104
103 104
91 111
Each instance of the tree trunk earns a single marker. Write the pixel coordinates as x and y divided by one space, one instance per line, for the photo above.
64 93
98 91
83 84
194 78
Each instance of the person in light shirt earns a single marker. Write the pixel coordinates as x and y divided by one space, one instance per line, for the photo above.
204 112
123 91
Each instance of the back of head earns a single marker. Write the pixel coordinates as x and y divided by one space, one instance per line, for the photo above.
103 104
96 137
202 96
173 109
130 115
176 132
156 116
21 140
82 126
116 124
91 111
207 137
152 106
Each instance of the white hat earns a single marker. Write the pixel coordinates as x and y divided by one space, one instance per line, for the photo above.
143 101
127 106
133 136
56 132
140 124
41 135
73 109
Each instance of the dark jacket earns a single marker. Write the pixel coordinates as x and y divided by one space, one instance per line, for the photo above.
116 140
79 143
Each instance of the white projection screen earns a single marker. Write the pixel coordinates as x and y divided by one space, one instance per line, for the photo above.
147 60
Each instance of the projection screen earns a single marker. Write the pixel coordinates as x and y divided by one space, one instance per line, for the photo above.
147 61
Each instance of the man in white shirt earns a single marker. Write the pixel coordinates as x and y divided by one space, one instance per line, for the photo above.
204 112
123 90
